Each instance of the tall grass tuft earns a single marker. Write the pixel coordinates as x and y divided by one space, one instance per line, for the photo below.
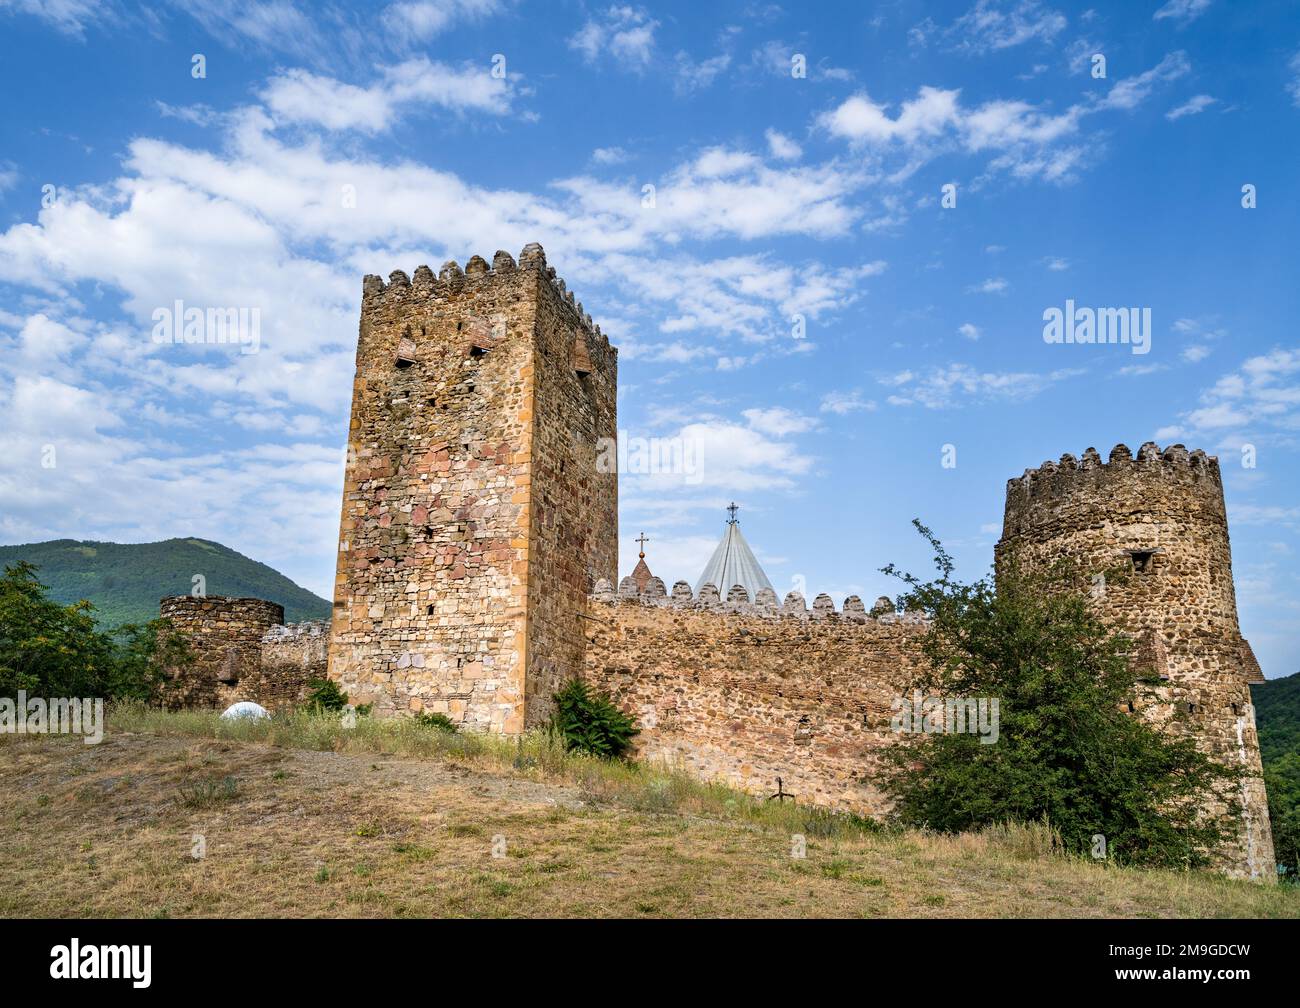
1025 841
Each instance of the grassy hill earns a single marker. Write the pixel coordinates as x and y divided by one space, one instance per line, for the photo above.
1277 717
126 580
395 819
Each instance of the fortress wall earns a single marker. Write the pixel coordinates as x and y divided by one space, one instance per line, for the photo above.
225 639
292 656
746 693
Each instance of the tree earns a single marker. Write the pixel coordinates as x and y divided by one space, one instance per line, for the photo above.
53 650
1067 749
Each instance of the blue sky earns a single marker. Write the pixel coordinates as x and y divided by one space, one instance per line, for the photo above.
777 196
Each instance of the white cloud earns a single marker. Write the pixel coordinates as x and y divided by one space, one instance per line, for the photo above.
1200 333
1026 140
728 191
1079 54
1182 11
782 147
609 155
844 403
1293 86
753 297
755 452
625 34
1141 370
969 331
993 285
1193 106
959 384
778 421
1130 92
276 26
694 75
992 25
299 96
858 118
1263 394
71 17
1021 135
421 20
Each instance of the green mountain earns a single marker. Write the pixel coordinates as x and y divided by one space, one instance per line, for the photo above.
1277 718
126 580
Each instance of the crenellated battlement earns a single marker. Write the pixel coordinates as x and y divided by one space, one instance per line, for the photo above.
403 292
1124 483
738 603
1176 459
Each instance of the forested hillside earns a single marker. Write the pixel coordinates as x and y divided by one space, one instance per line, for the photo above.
125 581
1277 716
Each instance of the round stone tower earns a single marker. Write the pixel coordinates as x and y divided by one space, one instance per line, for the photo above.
225 639
1151 535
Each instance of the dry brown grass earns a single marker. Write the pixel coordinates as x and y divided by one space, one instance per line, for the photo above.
107 831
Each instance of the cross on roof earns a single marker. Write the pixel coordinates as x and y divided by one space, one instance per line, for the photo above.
732 509
642 540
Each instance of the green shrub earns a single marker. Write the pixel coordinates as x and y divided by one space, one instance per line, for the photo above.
326 695
1067 754
589 722
435 720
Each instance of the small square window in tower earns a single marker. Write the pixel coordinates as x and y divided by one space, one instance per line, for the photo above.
1144 561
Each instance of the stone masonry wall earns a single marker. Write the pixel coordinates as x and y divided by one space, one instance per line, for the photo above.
461 539
1155 529
574 517
292 656
745 693
225 639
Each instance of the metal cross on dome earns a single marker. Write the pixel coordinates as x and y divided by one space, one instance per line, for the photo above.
642 540
732 509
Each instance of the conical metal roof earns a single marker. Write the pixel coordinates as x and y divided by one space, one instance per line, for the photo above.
733 563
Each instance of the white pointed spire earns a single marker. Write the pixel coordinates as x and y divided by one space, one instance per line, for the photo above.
733 563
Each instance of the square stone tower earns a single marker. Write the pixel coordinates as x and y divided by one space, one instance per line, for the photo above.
475 520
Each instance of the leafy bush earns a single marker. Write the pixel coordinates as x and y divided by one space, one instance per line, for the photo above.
1067 755
435 720
589 722
325 694
55 650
